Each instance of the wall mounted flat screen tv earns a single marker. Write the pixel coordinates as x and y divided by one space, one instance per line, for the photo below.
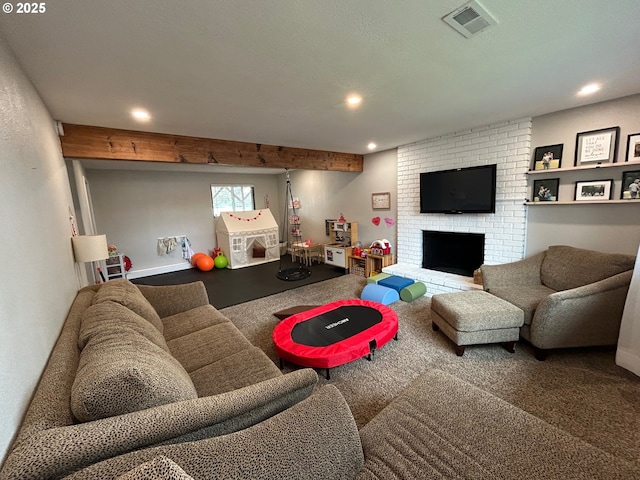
461 190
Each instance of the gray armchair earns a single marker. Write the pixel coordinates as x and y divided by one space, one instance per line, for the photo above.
571 297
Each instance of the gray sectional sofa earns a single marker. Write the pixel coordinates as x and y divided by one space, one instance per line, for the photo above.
139 366
198 401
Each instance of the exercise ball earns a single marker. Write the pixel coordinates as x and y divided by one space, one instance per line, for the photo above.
221 261
197 256
205 263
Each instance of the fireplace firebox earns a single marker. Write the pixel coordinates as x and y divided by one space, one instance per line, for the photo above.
452 252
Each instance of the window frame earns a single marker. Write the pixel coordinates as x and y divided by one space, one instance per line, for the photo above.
230 186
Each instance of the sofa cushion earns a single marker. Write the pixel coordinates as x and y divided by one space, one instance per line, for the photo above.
121 371
208 345
442 427
158 468
567 267
526 298
192 320
249 367
113 316
124 292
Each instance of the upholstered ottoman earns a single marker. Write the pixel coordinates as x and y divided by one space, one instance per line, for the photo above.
476 317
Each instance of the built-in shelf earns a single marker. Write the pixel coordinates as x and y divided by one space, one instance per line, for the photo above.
583 168
565 173
583 202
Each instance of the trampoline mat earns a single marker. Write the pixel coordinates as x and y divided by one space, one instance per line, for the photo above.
335 325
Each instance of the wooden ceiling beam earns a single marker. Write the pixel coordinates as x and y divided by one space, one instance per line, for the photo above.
80 141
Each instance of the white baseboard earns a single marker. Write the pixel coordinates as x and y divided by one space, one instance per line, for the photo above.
629 360
147 272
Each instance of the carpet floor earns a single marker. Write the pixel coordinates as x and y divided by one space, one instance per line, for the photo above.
581 391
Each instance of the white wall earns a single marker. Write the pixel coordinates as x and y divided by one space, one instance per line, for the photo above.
134 208
39 276
609 228
505 144
325 195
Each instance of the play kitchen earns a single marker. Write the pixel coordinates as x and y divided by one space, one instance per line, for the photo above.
342 235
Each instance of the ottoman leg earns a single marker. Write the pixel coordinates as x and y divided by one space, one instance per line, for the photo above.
540 354
459 350
435 327
509 346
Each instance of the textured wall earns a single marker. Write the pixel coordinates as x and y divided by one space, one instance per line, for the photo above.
39 277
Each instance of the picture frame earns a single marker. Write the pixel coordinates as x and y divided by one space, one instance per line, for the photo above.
381 201
546 190
597 146
630 185
548 157
633 148
594 190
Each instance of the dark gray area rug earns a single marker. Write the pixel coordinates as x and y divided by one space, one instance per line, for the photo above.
581 391
228 287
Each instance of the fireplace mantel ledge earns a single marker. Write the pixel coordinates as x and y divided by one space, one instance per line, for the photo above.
436 282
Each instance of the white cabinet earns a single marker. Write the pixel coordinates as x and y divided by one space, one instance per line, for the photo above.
337 255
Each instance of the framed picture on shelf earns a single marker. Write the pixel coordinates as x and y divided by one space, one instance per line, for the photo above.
381 201
630 185
546 190
547 158
593 190
633 148
597 146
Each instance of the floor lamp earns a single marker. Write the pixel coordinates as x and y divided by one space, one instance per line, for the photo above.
90 249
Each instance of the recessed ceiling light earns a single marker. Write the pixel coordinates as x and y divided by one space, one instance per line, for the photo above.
372 146
589 89
140 114
354 100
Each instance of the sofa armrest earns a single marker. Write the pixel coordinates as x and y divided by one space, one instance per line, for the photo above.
171 299
58 451
317 438
523 272
582 316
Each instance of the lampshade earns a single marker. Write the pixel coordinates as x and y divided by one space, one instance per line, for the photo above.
90 248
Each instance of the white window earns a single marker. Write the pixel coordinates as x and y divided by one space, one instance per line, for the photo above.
232 198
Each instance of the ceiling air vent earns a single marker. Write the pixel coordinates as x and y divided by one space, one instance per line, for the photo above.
470 19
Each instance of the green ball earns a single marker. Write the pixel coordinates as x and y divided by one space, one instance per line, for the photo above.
220 261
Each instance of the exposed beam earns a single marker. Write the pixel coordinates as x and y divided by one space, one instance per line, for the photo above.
80 141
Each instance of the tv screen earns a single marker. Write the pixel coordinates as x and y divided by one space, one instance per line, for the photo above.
461 190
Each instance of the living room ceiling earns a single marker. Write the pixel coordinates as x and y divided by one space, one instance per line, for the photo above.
278 72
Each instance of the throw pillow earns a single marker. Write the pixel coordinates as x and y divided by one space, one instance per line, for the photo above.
109 315
121 372
124 292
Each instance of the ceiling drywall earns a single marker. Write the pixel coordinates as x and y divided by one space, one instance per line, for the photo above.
277 72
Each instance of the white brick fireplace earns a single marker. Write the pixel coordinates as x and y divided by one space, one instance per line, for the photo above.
506 144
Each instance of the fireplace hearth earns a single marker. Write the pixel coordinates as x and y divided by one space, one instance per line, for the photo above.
452 252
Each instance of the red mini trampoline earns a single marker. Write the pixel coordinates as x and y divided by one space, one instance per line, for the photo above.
335 333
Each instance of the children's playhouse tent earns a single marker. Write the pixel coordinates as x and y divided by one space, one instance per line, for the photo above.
248 238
